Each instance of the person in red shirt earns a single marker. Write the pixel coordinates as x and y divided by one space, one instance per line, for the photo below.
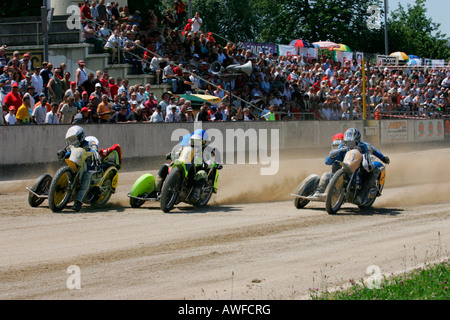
85 13
187 27
151 103
105 84
13 98
210 37
178 70
113 87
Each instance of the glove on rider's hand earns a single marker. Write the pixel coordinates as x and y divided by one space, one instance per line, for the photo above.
386 160
61 154
169 156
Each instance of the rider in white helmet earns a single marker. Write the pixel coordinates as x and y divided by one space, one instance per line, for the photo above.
76 137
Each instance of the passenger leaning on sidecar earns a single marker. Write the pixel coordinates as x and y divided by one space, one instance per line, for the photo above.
352 140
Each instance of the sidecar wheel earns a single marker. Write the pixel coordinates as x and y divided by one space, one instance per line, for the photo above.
41 187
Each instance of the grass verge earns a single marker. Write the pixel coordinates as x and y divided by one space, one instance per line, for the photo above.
428 283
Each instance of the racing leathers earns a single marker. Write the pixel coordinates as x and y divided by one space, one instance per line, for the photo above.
370 173
87 168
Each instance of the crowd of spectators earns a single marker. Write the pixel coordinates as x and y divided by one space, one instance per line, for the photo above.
179 52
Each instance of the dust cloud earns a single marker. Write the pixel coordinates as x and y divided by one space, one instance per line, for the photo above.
412 178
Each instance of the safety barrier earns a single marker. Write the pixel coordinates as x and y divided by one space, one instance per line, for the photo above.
35 144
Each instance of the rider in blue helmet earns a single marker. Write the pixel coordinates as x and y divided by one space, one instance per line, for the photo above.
352 140
205 159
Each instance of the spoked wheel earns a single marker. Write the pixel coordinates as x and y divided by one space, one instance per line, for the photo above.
106 192
41 187
305 189
170 190
60 189
206 194
336 192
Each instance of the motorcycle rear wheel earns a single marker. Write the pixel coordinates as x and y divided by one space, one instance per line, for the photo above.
41 187
104 198
60 189
336 192
170 190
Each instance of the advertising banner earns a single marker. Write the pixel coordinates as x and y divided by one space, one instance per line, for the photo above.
287 50
434 63
385 60
447 129
359 58
429 130
343 56
256 48
308 53
372 132
394 131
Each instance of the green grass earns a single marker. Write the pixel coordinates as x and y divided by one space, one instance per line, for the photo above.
428 283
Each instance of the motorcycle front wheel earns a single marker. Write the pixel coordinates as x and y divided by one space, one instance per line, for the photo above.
170 190
336 192
207 194
60 189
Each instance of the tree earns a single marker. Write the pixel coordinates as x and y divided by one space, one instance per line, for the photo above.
411 31
231 19
27 8
342 21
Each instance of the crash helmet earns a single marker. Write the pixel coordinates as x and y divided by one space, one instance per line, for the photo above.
93 143
352 137
199 135
337 140
75 136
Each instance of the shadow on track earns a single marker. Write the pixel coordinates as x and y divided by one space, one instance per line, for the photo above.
197 210
364 212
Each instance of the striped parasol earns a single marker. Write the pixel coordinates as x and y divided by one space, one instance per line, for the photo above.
301 43
326 45
400 55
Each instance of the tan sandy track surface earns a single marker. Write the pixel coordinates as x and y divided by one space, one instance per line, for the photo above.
250 243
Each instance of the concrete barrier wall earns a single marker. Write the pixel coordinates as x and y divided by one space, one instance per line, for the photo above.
39 144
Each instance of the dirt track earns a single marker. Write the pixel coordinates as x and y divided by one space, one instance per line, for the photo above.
251 243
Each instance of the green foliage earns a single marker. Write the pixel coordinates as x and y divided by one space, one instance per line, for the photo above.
429 283
411 31
315 20
232 19
20 8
